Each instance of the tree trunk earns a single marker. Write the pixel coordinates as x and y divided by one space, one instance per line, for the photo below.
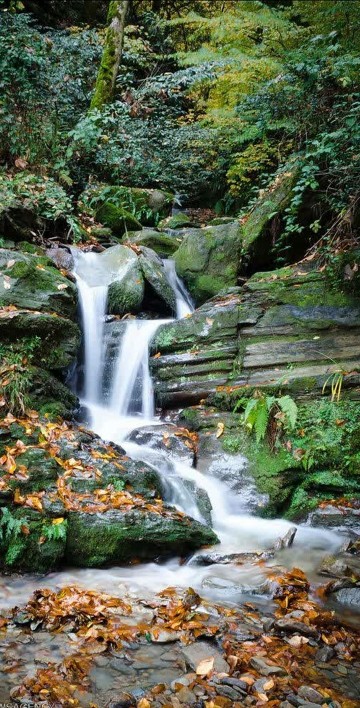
111 56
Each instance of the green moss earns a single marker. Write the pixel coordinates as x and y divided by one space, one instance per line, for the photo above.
26 551
117 219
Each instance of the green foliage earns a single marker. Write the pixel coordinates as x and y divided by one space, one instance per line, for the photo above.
55 531
10 527
42 195
15 377
45 82
269 415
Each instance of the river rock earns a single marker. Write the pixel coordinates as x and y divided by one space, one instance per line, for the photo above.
163 244
197 652
155 275
28 280
62 257
169 439
118 537
208 259
144 529
126 289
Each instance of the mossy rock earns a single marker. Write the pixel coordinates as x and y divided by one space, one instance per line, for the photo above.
177 221
57 338
154 273
147 205
29 550
121 268
208 260
163 244
30 281
270 205
118 537
117 219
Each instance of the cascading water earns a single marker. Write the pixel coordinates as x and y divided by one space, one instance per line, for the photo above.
114 417
131 405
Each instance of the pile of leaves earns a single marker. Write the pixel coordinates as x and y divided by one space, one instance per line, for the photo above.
45 435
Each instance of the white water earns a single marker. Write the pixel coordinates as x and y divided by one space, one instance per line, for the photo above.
238 530
184 303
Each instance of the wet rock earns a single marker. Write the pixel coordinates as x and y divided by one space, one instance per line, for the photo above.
167 438
186 696
164 636
116 536
349 597
230 558
287 540
290 624
311 695
197 652
266 669
336 517
122 269
154 273
324 654
335 567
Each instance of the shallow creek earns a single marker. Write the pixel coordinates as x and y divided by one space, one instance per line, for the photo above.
113 412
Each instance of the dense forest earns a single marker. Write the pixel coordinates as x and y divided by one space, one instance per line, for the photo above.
180 353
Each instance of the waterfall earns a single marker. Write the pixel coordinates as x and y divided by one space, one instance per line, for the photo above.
132 369
131 405
184 303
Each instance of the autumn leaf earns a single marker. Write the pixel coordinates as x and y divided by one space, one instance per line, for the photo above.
62 286
220 430
205 666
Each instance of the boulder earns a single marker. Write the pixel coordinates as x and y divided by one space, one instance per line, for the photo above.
122 268
117 537
208 259
119 220
28 280
155 275
175 221
88 505
163 244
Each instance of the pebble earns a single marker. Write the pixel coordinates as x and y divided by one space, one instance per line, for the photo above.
186 696
342 669
264 668
287 624
324 654
310 694
195 653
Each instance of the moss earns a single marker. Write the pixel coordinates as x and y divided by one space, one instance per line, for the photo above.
31 551
115 537
117 219
178 221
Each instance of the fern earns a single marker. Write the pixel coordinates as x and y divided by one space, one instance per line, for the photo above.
10 527
262 410
289 408
55 531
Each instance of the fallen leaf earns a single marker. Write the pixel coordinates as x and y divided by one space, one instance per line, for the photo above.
205 666
220 429
62 286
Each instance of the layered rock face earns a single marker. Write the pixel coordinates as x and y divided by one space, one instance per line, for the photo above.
39 334
283 329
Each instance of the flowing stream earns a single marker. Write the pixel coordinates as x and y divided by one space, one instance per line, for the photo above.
130 405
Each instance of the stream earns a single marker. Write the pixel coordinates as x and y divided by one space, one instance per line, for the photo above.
126 403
